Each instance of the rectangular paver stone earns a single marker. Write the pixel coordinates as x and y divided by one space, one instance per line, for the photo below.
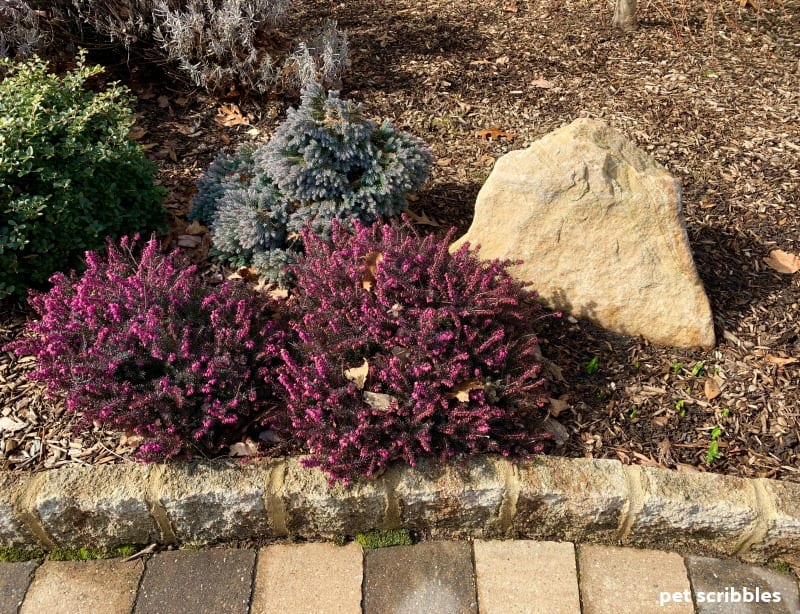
14 581
100 587
429 577
214 580
526 577
570 499
454 499
13 533
300 578
314 509
710 511
782 539
207 502
103 506
630 581
724 585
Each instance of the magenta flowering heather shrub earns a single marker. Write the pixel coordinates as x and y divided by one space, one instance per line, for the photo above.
406 350
143 344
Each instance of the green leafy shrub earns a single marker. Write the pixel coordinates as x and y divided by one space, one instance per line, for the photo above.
69 174
326 162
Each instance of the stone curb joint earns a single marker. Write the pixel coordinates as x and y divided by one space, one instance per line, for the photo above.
544 498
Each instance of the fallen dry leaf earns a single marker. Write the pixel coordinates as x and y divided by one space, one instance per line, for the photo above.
248 447
462 390
782 261
493 133
229 115
778 360
358 375
711 389
279 294
136 133
421 219
368 278
378 400
196 228
558 405
557 430
10 425
542 83
245 273
511 7
189 241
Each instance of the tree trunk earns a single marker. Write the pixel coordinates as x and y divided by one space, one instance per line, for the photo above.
625 15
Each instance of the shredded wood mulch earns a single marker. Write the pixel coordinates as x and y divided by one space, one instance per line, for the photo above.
714 97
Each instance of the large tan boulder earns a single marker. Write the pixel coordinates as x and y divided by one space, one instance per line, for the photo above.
598 224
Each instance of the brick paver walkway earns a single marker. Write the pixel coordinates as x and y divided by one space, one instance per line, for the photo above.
437 577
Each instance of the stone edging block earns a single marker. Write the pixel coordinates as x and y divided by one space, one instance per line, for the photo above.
547 498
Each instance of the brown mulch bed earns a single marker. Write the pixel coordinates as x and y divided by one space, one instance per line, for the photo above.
716 101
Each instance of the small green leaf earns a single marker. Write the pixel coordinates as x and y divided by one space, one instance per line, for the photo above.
593 365
713 452
698 368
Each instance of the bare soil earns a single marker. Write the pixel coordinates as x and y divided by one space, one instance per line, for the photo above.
711 95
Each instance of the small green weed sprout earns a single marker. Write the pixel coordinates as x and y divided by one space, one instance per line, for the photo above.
713 446
680 407
593 366
676 367
697 370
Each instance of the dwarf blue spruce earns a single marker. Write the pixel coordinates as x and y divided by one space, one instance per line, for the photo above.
325 162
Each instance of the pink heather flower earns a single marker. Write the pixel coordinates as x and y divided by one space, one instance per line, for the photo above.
436 330
132 340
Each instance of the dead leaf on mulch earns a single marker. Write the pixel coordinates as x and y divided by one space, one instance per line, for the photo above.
542 83
229 115
711 389
196 228
558 405
782 261
358 375
136 133
189 241
493 133
778 360
421 219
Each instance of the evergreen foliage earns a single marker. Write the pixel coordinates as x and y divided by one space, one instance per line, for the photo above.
69 174
325 162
